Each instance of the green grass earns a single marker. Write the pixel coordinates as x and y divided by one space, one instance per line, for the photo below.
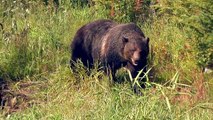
96 99
37 52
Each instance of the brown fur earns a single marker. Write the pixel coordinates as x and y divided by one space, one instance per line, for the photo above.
104 45
112 45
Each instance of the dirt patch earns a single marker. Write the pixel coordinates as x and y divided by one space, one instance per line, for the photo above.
16 96
192 94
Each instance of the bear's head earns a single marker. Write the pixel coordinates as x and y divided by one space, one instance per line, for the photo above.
136 50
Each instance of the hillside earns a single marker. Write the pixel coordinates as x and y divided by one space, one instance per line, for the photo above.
37 82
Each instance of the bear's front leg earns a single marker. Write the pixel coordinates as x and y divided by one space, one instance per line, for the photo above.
134 70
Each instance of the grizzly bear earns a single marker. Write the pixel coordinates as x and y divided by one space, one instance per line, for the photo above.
112 45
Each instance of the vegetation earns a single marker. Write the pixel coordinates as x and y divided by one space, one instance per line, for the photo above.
37 82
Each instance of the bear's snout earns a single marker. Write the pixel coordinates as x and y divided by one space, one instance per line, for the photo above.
135 62
135 58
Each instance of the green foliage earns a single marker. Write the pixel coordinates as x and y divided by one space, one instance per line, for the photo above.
125 10
80 3
94 99
36 43
197 17
172 49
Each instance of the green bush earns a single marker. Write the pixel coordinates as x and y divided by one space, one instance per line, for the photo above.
196 16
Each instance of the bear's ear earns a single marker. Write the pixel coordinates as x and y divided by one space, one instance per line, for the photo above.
125 39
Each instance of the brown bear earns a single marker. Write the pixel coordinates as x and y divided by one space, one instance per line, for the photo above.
112 45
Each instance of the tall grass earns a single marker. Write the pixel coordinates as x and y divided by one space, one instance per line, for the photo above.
34 47
96 99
